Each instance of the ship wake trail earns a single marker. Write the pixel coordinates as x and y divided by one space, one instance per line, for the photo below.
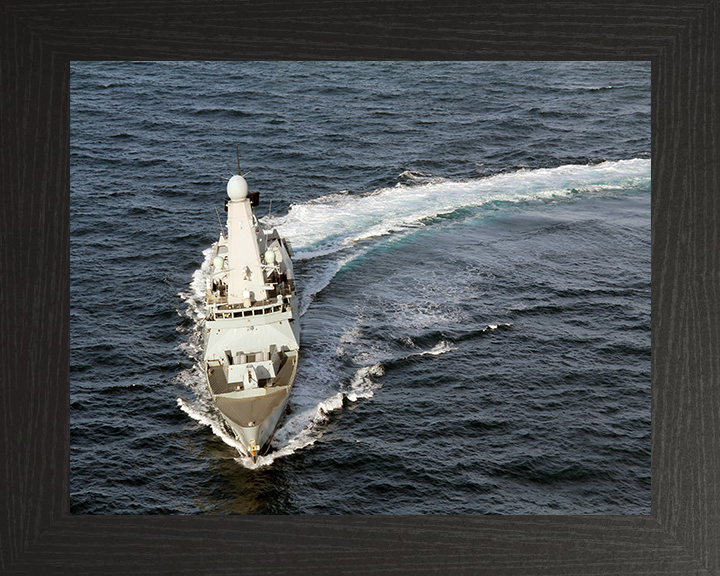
328 234
331 232
205 416
307 426
300 430
339 221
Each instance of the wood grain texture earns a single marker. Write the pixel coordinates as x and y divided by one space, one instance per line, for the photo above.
37 42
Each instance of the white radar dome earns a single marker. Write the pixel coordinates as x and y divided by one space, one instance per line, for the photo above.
237 188
218 262
270 257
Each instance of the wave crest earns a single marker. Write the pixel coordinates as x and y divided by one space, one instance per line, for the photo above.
335 222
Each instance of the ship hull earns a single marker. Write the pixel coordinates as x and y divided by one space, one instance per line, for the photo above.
252 329
253 415
250 368
259 435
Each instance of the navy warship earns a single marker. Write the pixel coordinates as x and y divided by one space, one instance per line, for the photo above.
252 329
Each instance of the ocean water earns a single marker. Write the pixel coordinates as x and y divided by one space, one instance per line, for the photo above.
472 245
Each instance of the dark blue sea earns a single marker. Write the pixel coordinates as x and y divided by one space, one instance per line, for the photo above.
472 246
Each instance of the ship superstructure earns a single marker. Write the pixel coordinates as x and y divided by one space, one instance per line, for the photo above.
252 330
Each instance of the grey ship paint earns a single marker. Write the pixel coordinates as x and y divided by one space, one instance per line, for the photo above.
252 332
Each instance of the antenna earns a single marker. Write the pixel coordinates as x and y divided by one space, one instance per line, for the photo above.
222 233
237 152
269 209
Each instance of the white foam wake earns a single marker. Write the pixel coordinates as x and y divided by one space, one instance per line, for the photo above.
495 326
194 298
300 429
305 427
207 418
297 431
335 222
440 348
362 384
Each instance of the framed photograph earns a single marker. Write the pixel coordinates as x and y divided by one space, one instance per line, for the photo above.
476 202
470 281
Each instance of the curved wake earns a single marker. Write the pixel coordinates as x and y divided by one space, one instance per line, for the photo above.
335 222
325 226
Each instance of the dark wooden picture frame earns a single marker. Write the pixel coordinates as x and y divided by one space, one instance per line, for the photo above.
38 41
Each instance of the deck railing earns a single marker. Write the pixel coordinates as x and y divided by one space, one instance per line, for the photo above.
237 311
